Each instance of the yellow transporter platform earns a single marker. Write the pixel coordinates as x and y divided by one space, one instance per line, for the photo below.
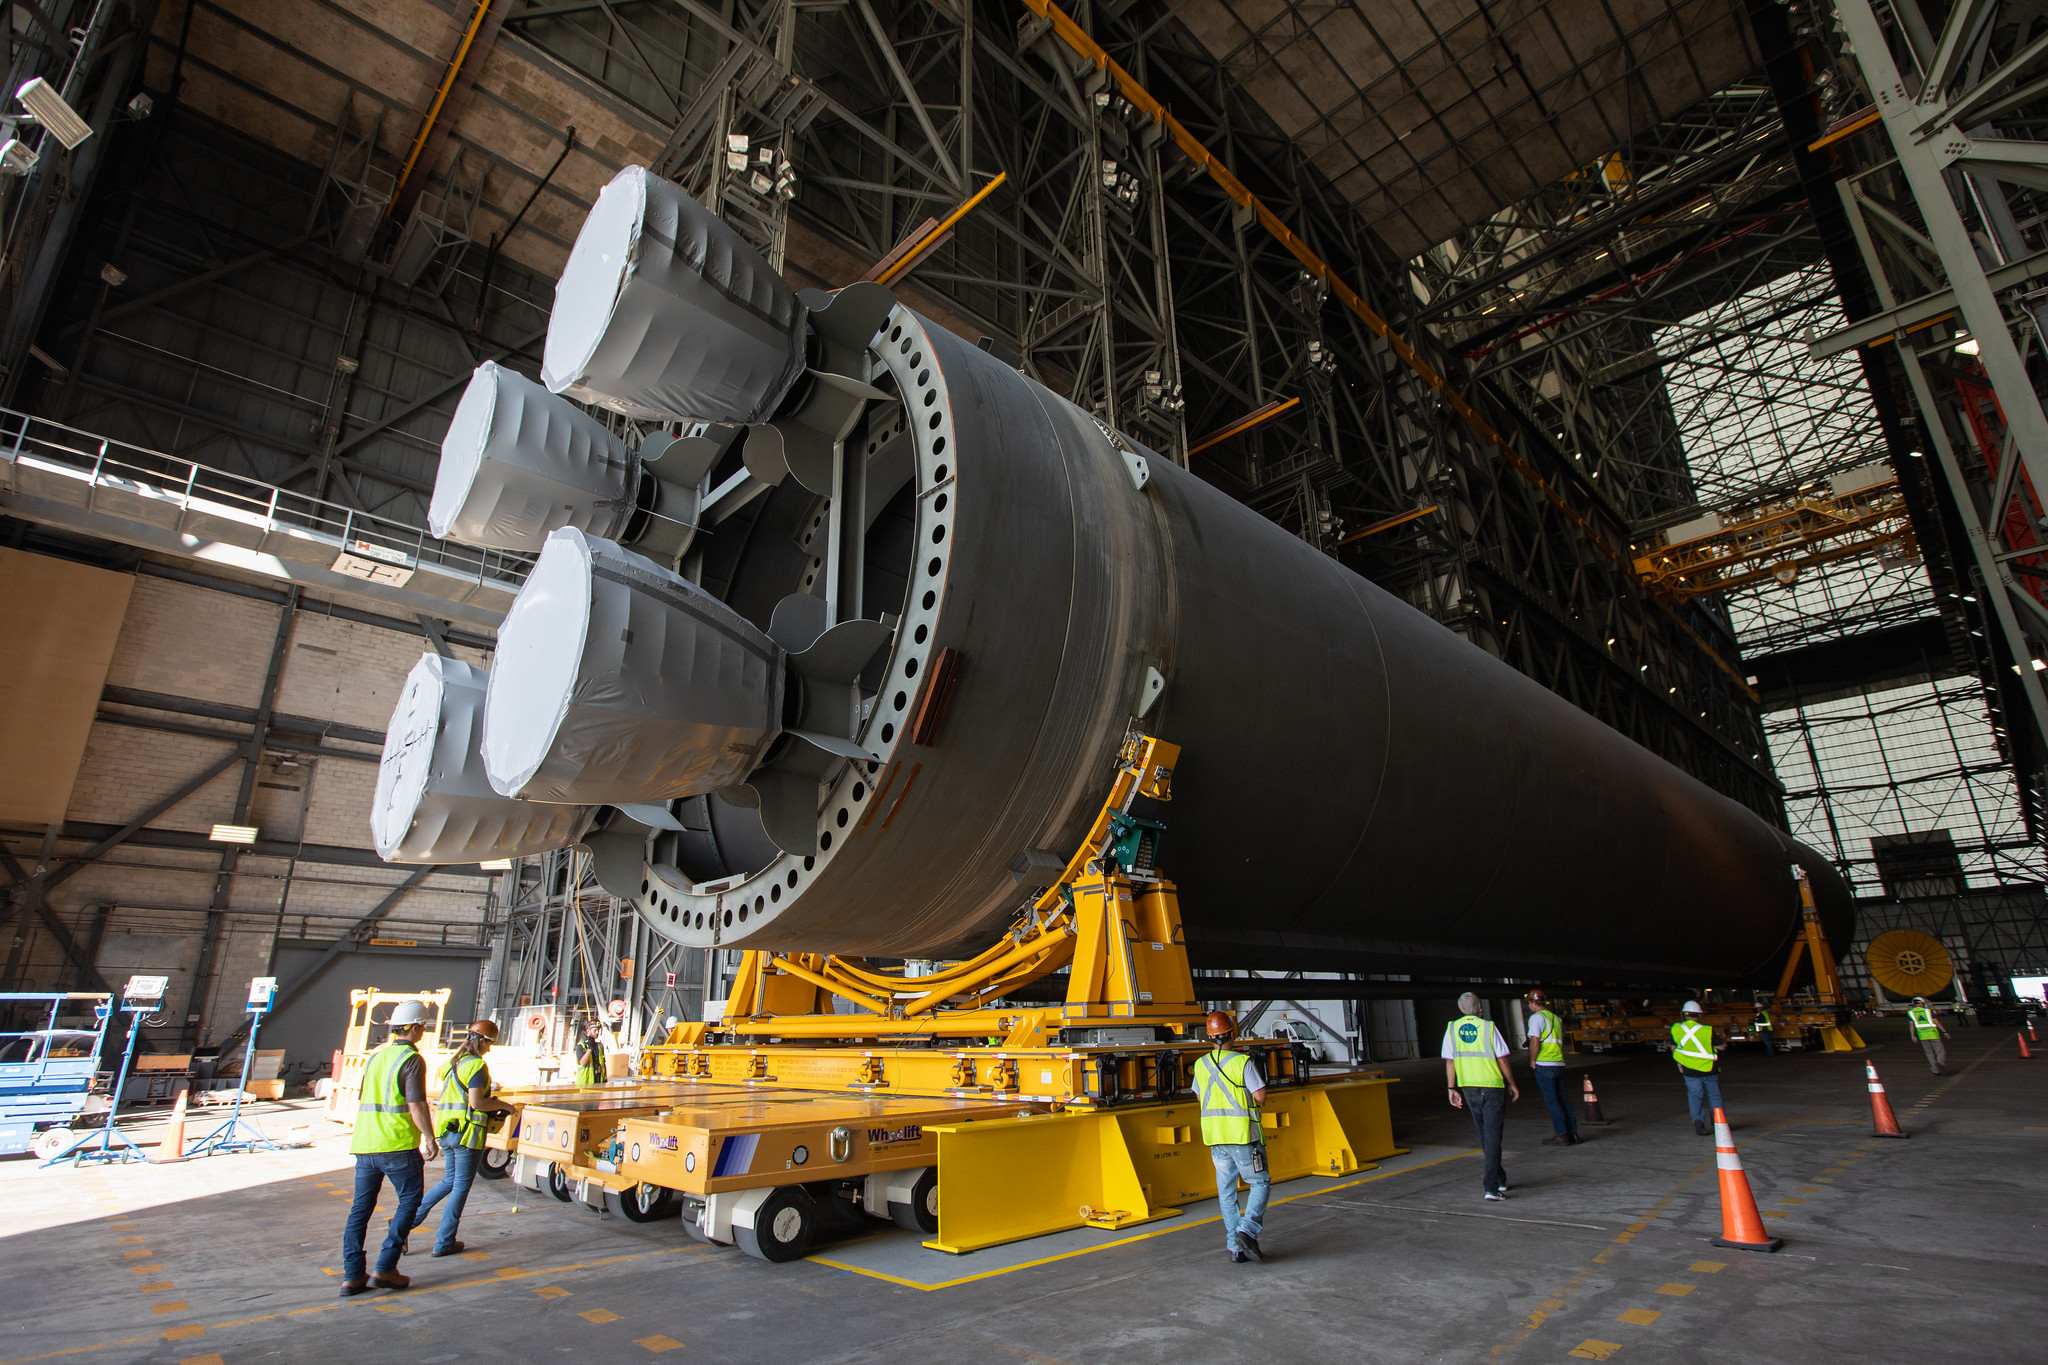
545 1120
767 1168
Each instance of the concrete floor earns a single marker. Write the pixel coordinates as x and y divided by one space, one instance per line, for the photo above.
1930 1248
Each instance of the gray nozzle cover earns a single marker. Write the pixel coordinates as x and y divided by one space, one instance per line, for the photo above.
619 682
664 312
434 804
519 462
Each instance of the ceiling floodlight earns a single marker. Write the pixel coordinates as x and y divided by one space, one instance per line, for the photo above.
53 113
1967 346
496 864
17 157
664 312
233 834
433 803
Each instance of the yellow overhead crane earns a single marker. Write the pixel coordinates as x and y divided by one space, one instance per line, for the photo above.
1031 1118
1859 512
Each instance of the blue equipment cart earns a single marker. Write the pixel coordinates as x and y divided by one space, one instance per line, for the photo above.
46 1074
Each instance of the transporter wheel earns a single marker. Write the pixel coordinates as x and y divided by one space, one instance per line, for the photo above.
496 1165
51 1141
693 1211
558 1183
645 1203
921 1214
782 1226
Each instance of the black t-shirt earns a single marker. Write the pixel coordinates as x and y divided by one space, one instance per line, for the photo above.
590 1053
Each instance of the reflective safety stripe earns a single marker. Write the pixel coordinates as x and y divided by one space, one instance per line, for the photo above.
1550 1048
383 1119
1695 1045
453 1114
1727 1160
1474 1049
1229 1118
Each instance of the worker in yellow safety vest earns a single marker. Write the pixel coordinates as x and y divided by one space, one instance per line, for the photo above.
1545 1032
1698 1054
461 1119
394 1137
1476 1070
1231 1089
1929 1031
590 1066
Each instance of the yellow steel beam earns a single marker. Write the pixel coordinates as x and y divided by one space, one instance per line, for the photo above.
1257 418
448 79
930 239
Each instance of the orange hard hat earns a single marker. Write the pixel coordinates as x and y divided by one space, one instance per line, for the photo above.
485 1029
1537 998
1221 1025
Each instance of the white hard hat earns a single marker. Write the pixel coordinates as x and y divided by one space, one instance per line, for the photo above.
1692 1007
407 1013
1919 999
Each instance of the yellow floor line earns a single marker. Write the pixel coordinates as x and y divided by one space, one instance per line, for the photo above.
1173 1225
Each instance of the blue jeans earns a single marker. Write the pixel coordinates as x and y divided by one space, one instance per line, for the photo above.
407 1170
454 1187
1703 1093
1557 1098
1488 1106
1249 1161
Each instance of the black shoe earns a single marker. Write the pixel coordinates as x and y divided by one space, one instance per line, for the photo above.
1571 1139
1699 1128
1555 1140
1251 1248
1238 1258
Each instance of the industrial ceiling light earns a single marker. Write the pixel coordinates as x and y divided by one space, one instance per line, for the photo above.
53 112
1967 346
233 834
496 864
17 157
433 803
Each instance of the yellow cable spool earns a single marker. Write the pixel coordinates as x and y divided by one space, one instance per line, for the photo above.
1907 962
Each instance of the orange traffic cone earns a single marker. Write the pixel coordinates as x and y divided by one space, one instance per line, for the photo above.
172 1146
2032 1037
1592 1105
2025 1051
1742 1227
1883 1123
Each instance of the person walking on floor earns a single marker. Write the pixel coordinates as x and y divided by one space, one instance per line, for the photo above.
590 1066
1231 1089
1546 1059
461 1119
1476 1070
1929 1031
394 1137
1698 1052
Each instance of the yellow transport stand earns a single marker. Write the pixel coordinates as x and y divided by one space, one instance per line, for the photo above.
1829 1012
1032 1118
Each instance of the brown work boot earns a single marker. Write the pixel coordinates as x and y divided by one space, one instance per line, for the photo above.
390 1279
350 1288
454 1249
